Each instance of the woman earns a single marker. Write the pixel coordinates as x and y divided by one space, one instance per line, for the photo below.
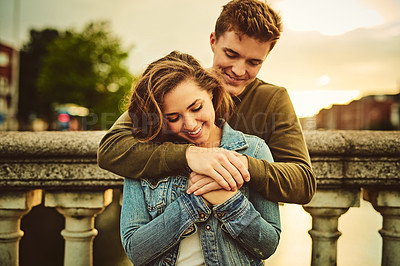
177 100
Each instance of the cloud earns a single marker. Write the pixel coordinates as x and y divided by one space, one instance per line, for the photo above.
328 17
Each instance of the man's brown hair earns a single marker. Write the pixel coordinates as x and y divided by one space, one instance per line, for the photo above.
250 17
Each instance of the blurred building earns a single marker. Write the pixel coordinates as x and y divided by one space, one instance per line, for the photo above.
374 112
8 87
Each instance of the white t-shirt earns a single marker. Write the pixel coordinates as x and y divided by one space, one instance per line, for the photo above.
190 252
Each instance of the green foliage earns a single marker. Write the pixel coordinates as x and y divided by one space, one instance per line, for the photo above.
86 68
31 102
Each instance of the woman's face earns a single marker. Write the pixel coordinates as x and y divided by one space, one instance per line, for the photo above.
190 114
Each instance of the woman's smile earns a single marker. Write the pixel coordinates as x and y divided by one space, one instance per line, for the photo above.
195 132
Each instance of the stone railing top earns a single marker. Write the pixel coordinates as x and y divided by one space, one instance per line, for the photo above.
353 143
49 144
55 160
84 143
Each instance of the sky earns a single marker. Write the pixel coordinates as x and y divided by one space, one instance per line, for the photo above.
331 51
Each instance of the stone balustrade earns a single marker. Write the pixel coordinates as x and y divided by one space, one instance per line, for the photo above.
59 170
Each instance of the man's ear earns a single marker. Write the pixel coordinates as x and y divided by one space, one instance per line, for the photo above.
211 94
213 40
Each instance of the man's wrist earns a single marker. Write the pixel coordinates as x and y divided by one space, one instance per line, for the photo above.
175 156
256 169
245 160
190 150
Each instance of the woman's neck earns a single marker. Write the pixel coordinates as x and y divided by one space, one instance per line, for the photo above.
215 137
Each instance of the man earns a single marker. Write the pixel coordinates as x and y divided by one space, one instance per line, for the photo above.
245 33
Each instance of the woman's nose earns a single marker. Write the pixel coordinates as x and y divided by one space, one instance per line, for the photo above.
189 123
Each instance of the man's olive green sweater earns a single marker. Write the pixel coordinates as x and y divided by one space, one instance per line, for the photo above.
262 109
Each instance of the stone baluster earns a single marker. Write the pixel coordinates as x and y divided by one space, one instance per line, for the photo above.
14 205
325 208
387 203
79 209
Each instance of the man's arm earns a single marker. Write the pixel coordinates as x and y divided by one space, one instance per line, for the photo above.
268 113
290 178
120 153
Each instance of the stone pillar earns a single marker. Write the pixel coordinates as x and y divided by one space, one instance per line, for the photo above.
14 205
387 203
325 208
79 209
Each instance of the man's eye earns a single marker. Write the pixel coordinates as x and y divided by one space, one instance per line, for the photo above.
230 55
254 63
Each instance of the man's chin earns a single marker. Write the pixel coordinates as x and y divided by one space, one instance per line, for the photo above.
234 90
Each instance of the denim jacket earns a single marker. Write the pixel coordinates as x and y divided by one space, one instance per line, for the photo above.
157 214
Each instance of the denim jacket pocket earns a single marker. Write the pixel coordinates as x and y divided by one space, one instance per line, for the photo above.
155 192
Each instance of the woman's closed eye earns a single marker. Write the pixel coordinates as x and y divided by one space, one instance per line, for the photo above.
197 108
172 118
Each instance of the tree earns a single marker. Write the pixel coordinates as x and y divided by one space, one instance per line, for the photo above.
31 102
86 68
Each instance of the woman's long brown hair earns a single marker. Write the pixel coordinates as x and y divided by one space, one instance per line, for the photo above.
162 76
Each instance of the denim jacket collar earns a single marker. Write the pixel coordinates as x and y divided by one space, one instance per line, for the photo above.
232 139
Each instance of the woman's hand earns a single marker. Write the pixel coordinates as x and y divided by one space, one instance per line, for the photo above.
200 184
218 196
228 168
214 194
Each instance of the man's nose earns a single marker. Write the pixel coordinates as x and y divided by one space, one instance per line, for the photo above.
239 68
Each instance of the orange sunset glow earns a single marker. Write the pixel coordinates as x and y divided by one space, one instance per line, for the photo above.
330 51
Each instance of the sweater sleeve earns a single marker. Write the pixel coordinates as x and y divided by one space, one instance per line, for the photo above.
290 178
122 154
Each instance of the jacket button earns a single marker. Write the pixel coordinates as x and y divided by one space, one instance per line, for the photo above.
208 227
202 215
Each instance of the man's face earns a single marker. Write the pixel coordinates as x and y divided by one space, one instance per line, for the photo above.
239 59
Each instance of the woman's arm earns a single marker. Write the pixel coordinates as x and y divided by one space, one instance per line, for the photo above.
254 223
144 239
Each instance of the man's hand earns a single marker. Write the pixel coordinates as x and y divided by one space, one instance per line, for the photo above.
227 168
